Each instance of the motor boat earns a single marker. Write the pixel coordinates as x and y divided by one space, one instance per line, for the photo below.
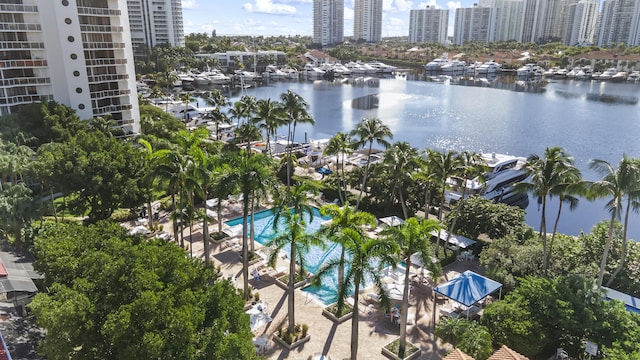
560 73
245 75
454 66
313 71
489 67
620 76
382 67
608 74
273 72
634 76
496 184
584 73
528 70
437 63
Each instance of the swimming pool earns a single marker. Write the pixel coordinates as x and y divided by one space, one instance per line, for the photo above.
316 256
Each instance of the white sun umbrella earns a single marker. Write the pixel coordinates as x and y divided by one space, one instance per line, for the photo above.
257 318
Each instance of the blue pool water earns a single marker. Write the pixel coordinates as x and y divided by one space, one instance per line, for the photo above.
316 256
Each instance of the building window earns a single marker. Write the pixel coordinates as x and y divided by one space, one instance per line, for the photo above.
74 56
67 21
79 90
81 106
65 2
76 73
71 39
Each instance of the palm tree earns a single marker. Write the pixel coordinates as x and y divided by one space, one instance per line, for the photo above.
243 108
546 179
412 237
342 218
269 116
368 131
247 133
186 98
217 100
295 109
250 174
443 165
615 184
401 159
341 146
299 244
571 185
150 162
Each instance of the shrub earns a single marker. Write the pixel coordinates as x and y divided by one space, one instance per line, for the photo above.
122 215
305 330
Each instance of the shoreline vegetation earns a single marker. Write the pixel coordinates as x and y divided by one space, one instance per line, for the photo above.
95 270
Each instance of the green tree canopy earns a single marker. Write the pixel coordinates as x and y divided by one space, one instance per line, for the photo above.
112 296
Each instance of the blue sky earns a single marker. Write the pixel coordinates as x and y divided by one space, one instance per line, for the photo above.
293 17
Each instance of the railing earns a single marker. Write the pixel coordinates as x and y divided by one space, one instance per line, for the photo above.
103 45
101 28
18 8
21 27
112 109
100 62
110 93
24 99
22 63
98 11
26 81
21 45
107 77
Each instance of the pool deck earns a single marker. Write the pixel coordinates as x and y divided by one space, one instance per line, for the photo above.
327 337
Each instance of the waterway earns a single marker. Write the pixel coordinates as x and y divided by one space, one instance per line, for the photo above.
590 119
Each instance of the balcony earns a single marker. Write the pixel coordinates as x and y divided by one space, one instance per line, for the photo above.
102 62
103 45
18 8
24 99
20 27
26 81
21 45
101 28
107 77
109 93
6 64
98 11
111 109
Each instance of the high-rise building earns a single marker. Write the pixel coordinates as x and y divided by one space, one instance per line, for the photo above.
328 22
155 22
508 18
428 25
367 21
76 52
474 24
616 21
581 23
634 33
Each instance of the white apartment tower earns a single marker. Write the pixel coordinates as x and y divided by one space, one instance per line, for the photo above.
367 22
155 22
618 22
428 25
76 52
508 18
474 24
581 23
328 22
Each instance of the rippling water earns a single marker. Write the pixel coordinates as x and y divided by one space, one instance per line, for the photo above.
589 119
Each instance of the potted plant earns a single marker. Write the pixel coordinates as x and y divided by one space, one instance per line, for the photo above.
391 351
290 340
331 312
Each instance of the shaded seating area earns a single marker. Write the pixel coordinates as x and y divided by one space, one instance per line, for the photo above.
467 290
455 242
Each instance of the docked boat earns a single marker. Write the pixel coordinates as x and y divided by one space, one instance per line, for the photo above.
634 76
454 66
273 72
529 70
246 76
381 67
489 67
584 73
472 68
312 71
620 76
560 74
608 74
437 63
496 184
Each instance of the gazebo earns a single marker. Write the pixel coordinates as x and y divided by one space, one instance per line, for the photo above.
467 289
391 220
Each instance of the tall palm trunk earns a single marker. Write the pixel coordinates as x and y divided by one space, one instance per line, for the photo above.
543 234
607 248
53 204
623 252
181 213
340 303
343 186
245 247
289 140
364 178
355 319
205 226
555 229
292 285
404 310
173 218
252 232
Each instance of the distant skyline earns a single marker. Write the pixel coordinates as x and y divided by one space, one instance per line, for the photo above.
294 17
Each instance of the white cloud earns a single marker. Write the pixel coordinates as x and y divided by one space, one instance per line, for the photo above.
403 5
268 7
453 5
190 4
348 14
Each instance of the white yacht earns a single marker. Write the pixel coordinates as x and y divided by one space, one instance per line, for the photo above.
217 78
454 66
584 73
497 184
608 74
313 71
489 67
634 76
382 67
560 73
528 70
620 76
437 63
273 72
246 75
472 68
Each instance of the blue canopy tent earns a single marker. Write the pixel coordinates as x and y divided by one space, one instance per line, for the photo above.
630 303
466 289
